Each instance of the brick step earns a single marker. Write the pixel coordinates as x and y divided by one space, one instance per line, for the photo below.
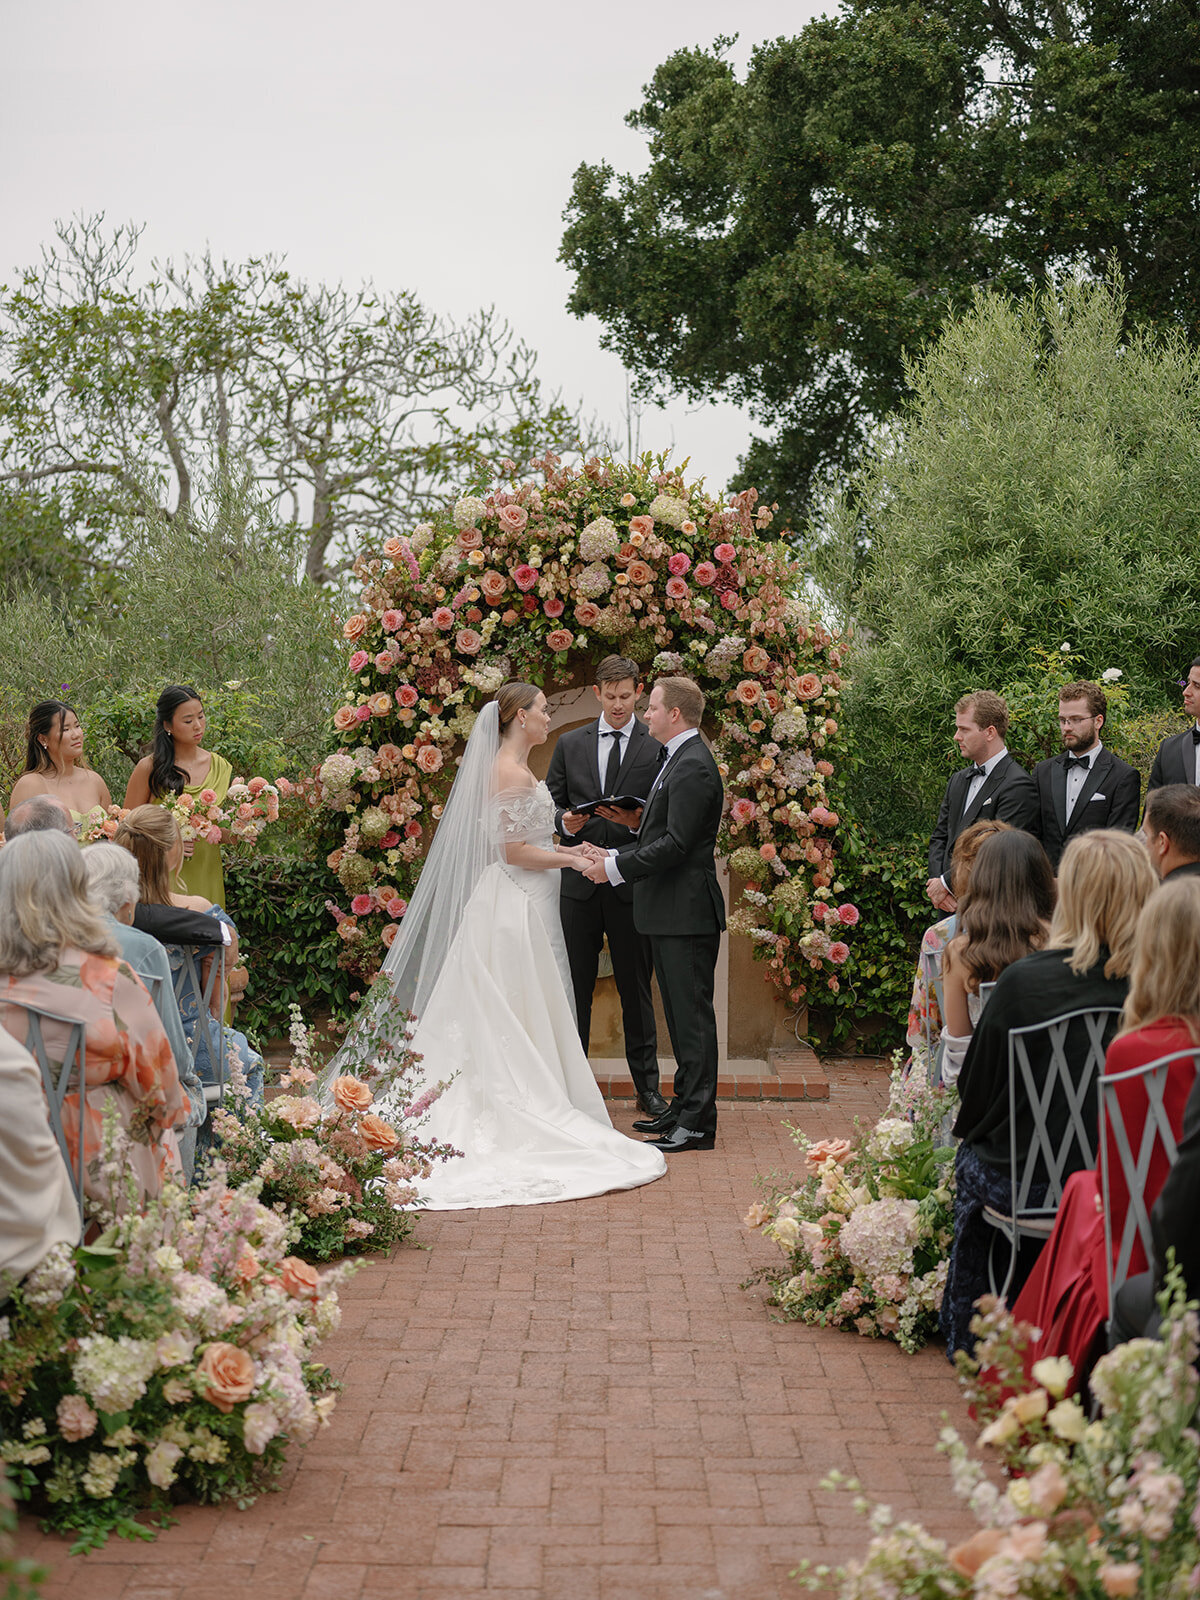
792 1074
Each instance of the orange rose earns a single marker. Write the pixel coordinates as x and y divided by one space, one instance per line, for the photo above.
229 1373
380 704
299 1279
354 627
808 687
748 692
756 659
350 1093
378 1134
344 718
429 758
640 572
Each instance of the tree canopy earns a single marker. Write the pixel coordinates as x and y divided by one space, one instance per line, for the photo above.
796 233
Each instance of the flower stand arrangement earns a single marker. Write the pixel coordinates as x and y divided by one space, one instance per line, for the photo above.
866 1232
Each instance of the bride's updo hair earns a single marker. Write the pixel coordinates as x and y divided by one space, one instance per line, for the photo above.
510 699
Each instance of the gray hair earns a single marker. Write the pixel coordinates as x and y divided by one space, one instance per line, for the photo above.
112 875
41 813
45 907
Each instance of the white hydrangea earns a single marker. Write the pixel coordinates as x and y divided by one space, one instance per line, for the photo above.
891 1136
486 679
878 1238
789 726
468 511
593 581
338 772
420 537
51 1278
670 509
599 540
113 1372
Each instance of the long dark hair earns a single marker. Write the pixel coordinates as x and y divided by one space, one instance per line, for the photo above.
41 720
165 776
1007 906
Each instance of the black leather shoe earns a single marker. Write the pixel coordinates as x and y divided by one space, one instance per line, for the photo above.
675 1147
652 1103
662 1124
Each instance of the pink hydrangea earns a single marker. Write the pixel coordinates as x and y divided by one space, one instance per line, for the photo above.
705 573
525 576
358 660
678 564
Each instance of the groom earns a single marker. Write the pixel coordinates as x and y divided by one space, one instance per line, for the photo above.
677 903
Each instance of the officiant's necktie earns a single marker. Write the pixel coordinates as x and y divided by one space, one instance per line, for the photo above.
614 760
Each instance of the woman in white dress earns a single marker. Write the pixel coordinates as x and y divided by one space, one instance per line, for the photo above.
481 962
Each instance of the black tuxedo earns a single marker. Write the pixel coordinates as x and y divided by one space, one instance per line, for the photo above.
1175 761
1008 792
591 910
1109 798
677 903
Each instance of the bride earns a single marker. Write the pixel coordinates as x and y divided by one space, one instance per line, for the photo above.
481 961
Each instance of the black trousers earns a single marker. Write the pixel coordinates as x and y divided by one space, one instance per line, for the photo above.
685 965
585 923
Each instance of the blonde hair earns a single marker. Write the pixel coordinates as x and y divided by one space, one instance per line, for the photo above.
150 833
1165 980
1104 880
684 694
45 907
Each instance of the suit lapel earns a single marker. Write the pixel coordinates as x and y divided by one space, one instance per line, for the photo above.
1058 791
986 790
588 775
1185 758
660 781
633 750
1096 772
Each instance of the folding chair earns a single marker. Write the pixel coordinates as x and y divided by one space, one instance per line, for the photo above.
57 1080
190 968
985 994
1156 1130
1037 1085
153 983
931 970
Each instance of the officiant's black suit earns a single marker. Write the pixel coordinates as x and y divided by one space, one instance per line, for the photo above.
591 910
1175 761
677 903
1109 798
1008 793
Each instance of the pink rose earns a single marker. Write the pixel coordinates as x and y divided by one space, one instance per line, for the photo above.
725 553
255 786
743 811
677 589
361 904
848 916
820 911
729 601
468 641
213 835
493 585
642 525
358 660
470 539
587 614
429 758
344 718
767 851
838 952
390 839
362 713
412 830
678 564
391 620
407 696
396 908
392 548
513 518
825 768
384 661
554 608
559 639
525 576
706 573
208 797
443 618
76 1419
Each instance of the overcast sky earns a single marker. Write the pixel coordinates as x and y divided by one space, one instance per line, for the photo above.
429 147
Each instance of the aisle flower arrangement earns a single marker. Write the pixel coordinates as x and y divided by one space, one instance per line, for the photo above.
170 1360
1096 1508
865 1232
539 580
342 1167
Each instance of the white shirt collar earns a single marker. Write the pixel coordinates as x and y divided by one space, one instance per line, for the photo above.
1090 754
991 763
680 738
607 727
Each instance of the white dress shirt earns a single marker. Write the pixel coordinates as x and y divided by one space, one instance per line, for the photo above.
610 864
1077 776
603 745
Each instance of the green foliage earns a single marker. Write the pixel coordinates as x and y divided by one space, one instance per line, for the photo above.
19 1579
796 233
278 904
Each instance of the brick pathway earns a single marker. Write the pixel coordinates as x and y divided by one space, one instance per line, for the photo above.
575 1402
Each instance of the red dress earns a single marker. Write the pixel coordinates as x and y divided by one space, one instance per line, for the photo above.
1066 1294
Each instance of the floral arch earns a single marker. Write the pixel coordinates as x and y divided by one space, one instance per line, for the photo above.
539 580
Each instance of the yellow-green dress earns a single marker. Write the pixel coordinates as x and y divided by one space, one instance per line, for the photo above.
202 872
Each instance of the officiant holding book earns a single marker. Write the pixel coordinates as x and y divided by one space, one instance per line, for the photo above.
613 757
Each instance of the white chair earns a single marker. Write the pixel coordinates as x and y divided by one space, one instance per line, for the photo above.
58 1078
1134 1168
931 972
1037 1085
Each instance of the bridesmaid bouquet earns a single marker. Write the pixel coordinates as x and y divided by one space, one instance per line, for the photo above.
200 817
100 823
251 804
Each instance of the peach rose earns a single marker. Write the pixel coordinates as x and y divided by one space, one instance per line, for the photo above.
826 1150
392 548
350 1093
299 1280
354 627
493 584
587 614
406 695
429 758
388 935
1120 1578
378 1134
468 641
380 704
756 659
642 525
968 1557
559 639
443 618
229 1373
513 518
470 539
808 687
640 572
748 692
772 699
345 717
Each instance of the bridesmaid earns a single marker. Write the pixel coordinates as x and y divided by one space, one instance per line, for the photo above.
53 750
179 765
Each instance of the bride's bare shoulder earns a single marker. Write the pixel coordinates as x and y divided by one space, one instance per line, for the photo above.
508 775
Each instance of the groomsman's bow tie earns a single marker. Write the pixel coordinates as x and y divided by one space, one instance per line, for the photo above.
662 754
1196 735
978 772
1079 761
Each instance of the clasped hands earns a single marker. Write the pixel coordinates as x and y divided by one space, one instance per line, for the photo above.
587 859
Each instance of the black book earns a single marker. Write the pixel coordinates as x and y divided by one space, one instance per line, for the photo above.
623 802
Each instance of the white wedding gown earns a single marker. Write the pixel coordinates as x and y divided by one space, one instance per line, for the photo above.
524 1106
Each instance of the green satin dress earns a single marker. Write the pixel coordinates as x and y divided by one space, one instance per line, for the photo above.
202 872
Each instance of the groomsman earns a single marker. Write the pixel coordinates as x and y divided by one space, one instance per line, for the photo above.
1171 829
1086 786
994 786
612 756
1178 758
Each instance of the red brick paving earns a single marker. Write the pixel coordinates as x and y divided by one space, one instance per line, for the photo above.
575 1402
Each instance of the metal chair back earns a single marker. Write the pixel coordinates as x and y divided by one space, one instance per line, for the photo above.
58 1078
985 994
152 982
931 971
1156 1132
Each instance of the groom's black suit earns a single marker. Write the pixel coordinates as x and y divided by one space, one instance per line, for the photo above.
677 903
591 910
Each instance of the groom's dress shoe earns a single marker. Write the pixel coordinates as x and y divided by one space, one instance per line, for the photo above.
653 1104
681 1139
659 1124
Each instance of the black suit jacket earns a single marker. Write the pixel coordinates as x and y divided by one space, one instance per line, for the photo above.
1110 797
1008 792
1173 1219
670 864
1175 761
574 778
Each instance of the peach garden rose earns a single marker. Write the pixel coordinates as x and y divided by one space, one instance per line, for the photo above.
229 1374
350 1093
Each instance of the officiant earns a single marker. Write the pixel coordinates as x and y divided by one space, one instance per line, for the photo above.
612 757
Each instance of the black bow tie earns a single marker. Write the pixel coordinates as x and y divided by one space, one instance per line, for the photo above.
1079 761
662 756
979 772
1196 735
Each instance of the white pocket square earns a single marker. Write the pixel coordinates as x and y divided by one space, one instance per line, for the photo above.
1098 797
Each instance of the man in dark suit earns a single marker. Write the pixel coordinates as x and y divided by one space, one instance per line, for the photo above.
1086 786
1178 758
677 903
1171 829
994 786
612 756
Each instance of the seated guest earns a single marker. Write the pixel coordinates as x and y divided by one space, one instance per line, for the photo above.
924 1011
1104 881
151 835
1171 830
1005 915
1066 1295
41 814
57 955
113 885
37 1203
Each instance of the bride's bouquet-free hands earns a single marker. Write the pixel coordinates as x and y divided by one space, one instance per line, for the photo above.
582 857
